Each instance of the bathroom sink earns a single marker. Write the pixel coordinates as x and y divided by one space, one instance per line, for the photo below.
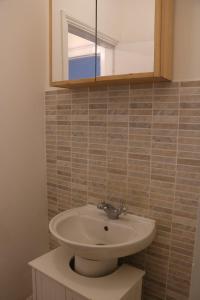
91 235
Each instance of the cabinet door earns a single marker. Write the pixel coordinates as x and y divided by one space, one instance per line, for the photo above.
125 43
74 296
103 41
47 289
73 39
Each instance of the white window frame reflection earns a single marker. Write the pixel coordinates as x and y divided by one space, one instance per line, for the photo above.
105 44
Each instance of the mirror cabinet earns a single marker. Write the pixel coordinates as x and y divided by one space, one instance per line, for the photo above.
100 41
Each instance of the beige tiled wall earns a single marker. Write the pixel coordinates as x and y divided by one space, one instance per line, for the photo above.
139 143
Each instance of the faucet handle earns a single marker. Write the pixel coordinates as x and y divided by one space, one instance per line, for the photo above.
101 205
124 210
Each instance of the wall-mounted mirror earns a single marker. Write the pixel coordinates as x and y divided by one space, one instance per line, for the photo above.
110 40
73 39
125 36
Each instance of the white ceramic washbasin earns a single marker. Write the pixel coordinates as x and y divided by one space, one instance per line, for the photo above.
91 235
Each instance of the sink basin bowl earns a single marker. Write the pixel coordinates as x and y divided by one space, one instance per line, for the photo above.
91 235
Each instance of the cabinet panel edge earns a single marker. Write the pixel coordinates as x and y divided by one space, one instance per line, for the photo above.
167 34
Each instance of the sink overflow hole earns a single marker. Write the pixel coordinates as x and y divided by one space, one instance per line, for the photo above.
106 228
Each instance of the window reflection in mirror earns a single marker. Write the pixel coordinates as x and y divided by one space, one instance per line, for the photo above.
81 55
81 58
73 39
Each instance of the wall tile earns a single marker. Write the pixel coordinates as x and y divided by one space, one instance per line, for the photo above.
137 143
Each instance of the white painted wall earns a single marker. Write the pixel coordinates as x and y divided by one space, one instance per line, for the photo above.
23 208
187 40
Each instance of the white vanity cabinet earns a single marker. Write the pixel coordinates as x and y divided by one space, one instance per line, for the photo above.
53 279
45 288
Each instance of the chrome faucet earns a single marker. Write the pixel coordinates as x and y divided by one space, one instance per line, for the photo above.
111 211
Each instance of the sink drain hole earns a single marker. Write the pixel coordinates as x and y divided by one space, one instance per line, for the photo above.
72 264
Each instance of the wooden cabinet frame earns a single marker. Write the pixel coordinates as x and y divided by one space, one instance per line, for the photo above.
163 52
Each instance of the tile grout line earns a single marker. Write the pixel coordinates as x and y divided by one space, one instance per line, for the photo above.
46 169
107 102
88 144
128 148
45 149
151 148
71 120
174 194
150 170
57 151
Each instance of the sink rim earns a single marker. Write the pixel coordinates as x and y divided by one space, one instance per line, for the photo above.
55 221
